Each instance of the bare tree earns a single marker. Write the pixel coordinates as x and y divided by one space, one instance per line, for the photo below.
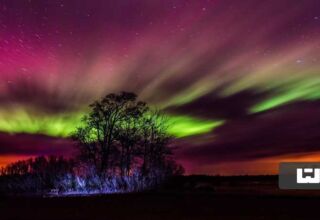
121 133
154 141
123 145
106 127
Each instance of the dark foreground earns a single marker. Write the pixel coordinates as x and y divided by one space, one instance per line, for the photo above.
161 206
191 198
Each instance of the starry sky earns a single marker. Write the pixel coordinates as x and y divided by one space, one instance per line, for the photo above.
238 80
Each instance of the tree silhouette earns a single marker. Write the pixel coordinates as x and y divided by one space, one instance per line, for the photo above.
105 127
123 147
38 174
154 141
121 134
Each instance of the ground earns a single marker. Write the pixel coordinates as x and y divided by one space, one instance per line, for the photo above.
198 198
161 206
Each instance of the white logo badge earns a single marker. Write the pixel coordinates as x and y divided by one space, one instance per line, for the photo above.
308 175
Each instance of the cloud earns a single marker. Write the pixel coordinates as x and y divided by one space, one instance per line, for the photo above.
286 130
213 105
28 144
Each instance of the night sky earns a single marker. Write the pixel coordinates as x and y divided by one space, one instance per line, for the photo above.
238 80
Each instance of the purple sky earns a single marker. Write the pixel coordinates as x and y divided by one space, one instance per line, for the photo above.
252 65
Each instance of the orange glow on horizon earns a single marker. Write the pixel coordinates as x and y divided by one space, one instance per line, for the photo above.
265 166
7 159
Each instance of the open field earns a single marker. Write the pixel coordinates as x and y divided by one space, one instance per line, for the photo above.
259 200
161 206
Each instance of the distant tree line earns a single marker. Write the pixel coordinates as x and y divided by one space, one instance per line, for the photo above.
36 175
123 145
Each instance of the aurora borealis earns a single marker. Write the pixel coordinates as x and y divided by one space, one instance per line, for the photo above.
239 80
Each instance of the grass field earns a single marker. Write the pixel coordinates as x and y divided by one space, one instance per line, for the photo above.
161 206
234 199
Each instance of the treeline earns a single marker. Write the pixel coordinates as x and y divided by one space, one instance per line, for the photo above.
37 175
39 165
123 145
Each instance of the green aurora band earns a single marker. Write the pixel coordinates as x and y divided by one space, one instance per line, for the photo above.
299 90
62 125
